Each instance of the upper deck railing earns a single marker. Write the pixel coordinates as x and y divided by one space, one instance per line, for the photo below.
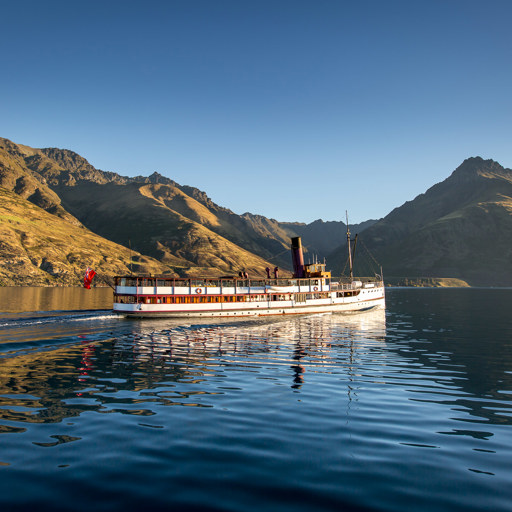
237 283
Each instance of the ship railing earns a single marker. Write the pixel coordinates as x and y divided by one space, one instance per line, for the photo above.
152 284
356 283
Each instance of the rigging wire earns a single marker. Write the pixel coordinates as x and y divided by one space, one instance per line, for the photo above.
370 254
366 263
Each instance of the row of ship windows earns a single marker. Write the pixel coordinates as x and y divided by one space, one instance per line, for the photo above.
225 283
198 299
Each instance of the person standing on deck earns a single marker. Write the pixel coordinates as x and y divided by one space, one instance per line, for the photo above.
276 272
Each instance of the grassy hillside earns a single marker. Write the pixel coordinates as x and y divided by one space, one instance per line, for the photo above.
38 248
151 214
178 225
158 220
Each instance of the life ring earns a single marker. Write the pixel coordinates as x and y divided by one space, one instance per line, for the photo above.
315 289
198 290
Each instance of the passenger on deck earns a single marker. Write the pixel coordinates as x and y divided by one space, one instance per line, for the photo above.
276 272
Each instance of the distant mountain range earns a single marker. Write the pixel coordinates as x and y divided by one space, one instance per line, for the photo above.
58 214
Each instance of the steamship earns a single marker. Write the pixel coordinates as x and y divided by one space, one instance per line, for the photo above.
310 290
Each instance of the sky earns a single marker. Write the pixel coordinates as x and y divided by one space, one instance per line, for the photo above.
295 110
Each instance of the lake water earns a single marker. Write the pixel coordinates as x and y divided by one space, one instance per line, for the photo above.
397 410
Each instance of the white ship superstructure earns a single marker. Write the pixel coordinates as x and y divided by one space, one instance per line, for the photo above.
310 290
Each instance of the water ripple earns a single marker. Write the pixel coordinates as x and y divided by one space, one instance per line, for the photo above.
372 411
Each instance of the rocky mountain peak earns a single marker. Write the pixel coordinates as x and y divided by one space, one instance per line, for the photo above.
156 177
67 159
476 167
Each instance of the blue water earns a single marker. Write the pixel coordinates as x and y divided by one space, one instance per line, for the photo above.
407 409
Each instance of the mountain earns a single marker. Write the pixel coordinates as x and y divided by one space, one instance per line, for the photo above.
39 248
16 175
322 237
177 225
459 228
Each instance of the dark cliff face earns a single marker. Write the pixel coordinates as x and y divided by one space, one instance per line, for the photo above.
461 227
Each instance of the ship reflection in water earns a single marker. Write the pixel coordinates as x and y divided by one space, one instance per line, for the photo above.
307 341
189 354
324 412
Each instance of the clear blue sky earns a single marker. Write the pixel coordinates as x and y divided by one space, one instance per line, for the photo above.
296 110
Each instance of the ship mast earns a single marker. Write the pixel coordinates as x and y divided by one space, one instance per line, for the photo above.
349 249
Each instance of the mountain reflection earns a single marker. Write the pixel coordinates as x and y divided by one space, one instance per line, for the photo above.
41 298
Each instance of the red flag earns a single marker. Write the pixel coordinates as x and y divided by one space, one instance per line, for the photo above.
89 274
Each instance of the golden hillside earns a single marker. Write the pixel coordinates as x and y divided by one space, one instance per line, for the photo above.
38 248
187 234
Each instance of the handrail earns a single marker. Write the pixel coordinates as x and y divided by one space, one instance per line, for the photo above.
161 281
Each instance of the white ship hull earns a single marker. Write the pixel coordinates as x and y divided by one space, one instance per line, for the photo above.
181 302
152 312
310 290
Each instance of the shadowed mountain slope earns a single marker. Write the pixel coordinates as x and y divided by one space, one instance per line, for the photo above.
153 215
322 237
461 228
144 216
178 225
